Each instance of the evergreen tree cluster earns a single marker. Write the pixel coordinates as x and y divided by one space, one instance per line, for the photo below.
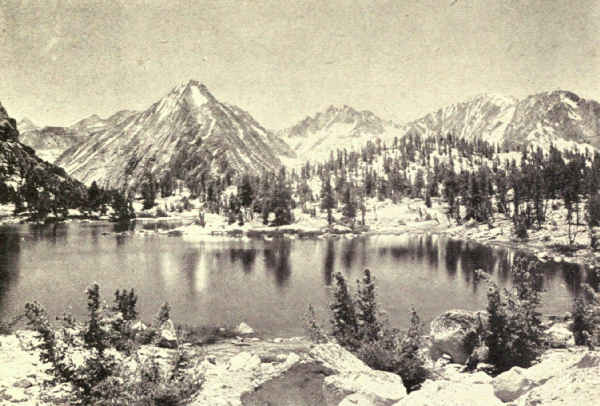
359 326
42 194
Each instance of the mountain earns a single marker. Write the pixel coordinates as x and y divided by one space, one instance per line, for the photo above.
26 125
559 117
51 141
337 127
188 135
19 165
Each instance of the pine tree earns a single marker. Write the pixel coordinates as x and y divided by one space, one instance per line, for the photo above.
149 191
94 336
246 191
349 209
367 308
327 199
419 184
344 321
281 200
571 190
592 218
93 197
125 303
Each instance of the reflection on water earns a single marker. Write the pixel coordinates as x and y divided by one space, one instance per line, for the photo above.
9 262
268 284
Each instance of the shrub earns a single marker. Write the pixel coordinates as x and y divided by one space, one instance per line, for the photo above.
411 367
515 333
104 377
125 303
37 319
151 387
164 314
313 329
586 318
6 327
360 327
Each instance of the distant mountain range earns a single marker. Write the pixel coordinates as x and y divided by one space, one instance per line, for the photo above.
189 133
19 163
51 141
559 117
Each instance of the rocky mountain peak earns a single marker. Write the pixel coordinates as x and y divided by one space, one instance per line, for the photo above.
187 134
26 125
93 120
194 93
497 99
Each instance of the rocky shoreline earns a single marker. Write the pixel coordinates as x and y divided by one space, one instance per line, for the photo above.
248 370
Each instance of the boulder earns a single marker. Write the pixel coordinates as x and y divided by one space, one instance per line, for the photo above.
516 382
23 383
471 223
338 359
138 326
577 385
481 353
455 333
352 376
381 388
559 336
511 384
244 329
453 373
553 363
167 336
357 399
244 361
449 393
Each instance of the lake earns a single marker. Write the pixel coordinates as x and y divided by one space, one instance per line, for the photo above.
268 284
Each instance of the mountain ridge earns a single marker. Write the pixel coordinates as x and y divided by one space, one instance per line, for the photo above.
557 117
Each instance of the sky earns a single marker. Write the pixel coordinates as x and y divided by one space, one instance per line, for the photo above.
62 60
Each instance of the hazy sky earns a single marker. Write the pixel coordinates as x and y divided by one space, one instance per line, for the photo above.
281 60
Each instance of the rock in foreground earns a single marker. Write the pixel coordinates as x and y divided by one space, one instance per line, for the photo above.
455 333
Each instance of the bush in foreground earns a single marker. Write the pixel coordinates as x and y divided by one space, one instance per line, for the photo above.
359 326
101 361
586 318
515 335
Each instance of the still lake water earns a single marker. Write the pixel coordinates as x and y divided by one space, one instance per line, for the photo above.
268 284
